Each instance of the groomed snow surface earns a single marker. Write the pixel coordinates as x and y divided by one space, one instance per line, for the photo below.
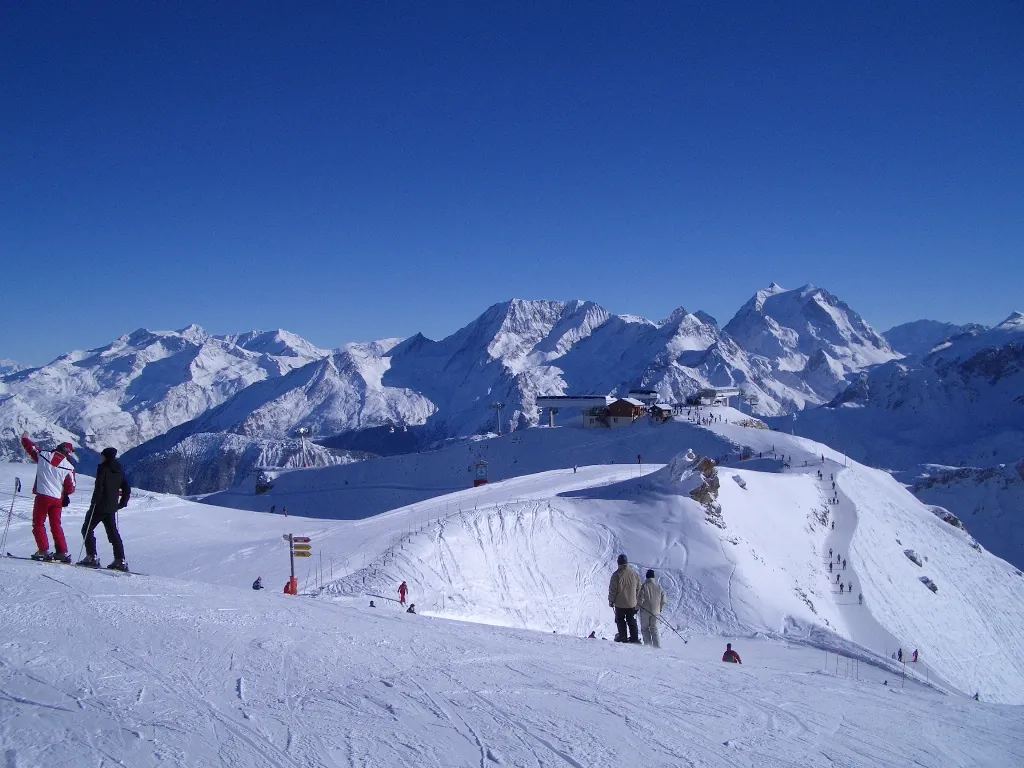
190 667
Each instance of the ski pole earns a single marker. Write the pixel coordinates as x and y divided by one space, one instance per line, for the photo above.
658 617
10 513
88 521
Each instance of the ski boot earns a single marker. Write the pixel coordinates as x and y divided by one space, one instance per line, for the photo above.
43 557
118 565
62 557
90 561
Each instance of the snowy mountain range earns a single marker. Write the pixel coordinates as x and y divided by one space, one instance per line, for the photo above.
785 349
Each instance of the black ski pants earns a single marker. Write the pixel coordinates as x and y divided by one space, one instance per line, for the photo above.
625 618
110 524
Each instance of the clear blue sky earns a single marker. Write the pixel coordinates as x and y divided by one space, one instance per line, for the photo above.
378 169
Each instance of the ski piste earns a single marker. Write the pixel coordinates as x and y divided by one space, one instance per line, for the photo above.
109 571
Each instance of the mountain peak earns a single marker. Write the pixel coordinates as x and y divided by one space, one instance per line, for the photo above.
1016 319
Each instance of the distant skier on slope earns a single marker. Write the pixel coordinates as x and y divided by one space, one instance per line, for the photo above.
403 590
411 608
623 590
915 655
55 482
651 602
899 655
730 655
110 494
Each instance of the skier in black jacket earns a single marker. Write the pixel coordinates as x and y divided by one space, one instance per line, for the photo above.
111 494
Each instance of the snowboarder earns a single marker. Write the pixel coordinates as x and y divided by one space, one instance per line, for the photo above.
730 655
403 590
110 494
651 603
258 584
55 482
372 604
411 608
623 590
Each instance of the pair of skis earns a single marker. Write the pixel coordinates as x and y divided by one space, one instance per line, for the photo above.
111 571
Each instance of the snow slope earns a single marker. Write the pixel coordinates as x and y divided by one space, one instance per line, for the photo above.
155 671
989 501
534 550
190 667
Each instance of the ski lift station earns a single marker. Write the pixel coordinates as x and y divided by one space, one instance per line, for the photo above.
613 412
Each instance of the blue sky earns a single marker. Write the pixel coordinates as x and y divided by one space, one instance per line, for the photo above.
380 169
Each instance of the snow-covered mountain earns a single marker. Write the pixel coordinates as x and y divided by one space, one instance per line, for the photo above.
811 340
143 384
961 404
10 366
919 337
203 461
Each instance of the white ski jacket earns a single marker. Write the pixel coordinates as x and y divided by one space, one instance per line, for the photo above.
652 597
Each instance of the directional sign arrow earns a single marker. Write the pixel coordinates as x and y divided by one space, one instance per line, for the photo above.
304 539
303 554
302 547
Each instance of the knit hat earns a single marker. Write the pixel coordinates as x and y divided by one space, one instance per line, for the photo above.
108 453
67 449
650 574
622 560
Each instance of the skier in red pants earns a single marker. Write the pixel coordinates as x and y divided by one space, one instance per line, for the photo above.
55 482
403 590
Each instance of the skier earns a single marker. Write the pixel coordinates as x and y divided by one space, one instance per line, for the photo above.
899 655
411 608
860 598
730 655
830 554
651 603
830 567
844 565
372 605
403 589
623 589
838 576
841 589
110 494
258 584
915 655
55 482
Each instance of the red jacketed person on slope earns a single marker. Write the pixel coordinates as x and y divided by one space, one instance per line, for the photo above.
403 590
55 482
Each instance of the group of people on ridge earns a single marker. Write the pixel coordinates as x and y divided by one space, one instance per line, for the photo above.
53 487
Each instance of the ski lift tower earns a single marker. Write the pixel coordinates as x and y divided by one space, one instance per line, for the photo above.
303 432
497 406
